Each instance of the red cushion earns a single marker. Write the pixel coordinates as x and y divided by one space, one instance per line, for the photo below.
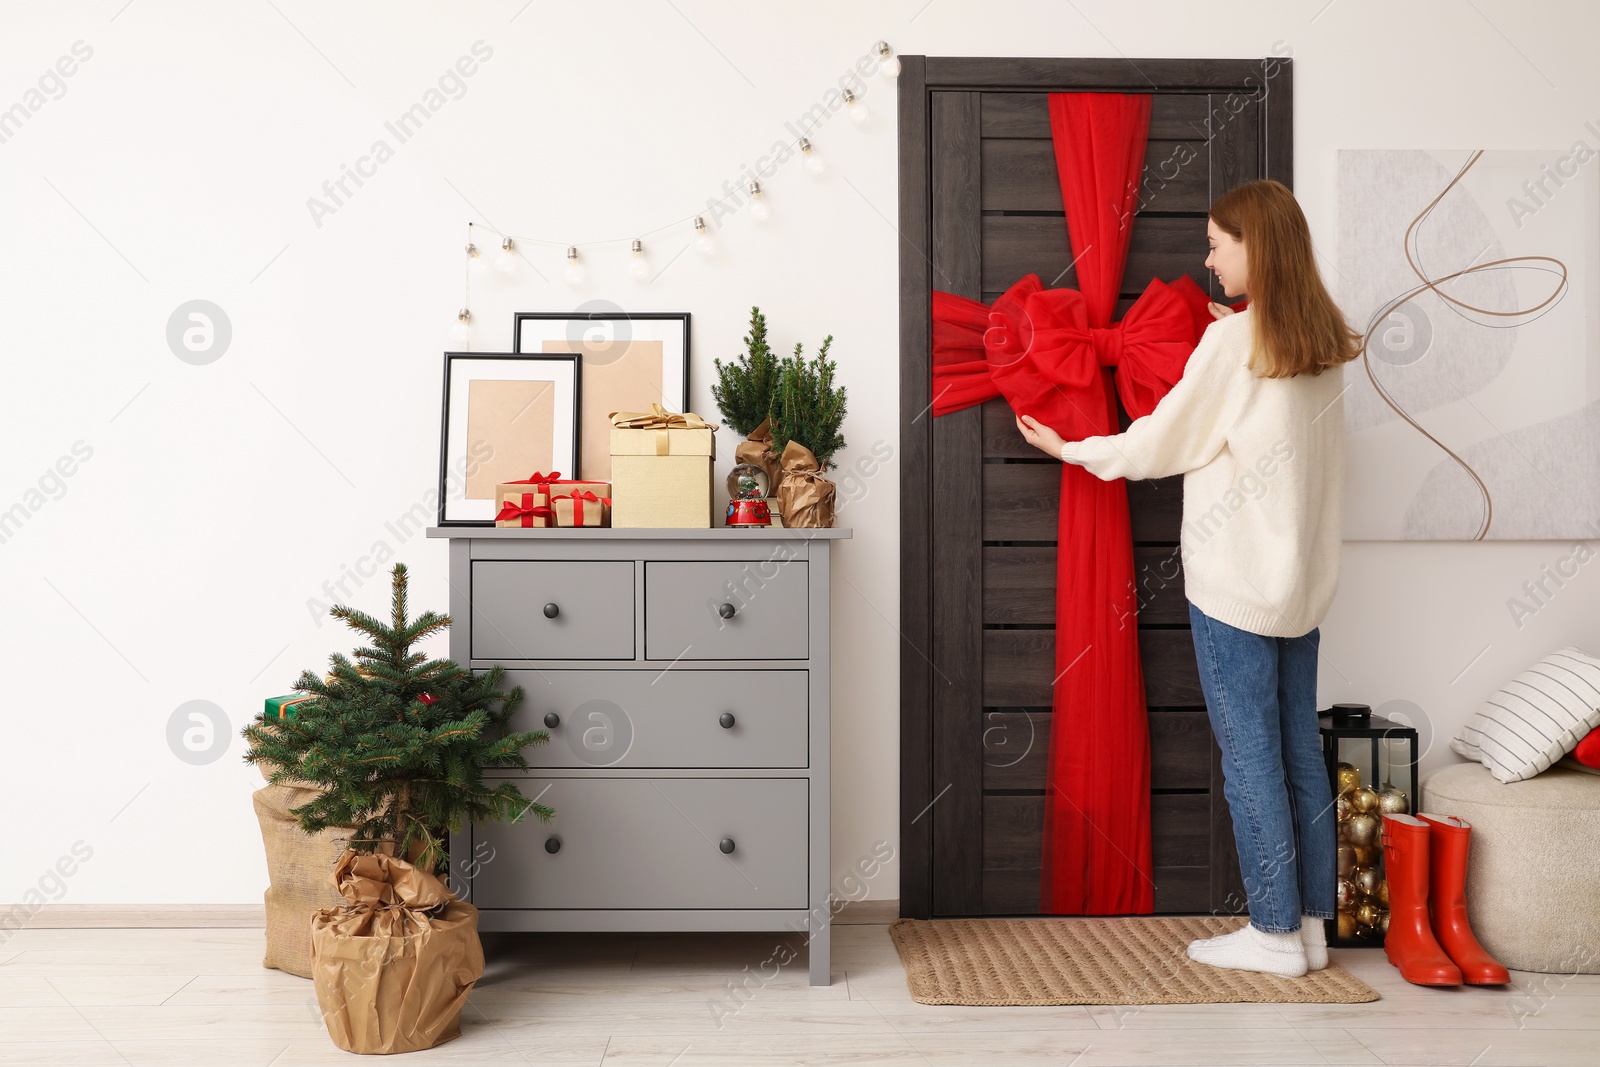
1588 750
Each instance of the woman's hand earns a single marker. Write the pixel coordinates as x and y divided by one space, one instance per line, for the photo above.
1219 310
1040 436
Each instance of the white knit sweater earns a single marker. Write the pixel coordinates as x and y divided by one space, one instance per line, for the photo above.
1263 463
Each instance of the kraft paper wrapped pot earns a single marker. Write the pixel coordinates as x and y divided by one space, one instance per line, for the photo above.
394 965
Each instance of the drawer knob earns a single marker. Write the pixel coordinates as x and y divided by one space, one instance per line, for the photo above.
552 844
726 844
726 610
552 720
551 611
725 720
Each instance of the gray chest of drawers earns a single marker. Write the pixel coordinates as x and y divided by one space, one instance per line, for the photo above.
683 676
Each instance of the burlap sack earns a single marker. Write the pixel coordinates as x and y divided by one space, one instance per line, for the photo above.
299 866
805 497
394 965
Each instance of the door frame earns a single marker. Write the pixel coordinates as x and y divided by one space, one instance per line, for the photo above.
921 76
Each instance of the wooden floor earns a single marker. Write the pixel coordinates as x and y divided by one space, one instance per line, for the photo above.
85 997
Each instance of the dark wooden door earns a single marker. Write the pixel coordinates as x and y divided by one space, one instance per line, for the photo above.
981 207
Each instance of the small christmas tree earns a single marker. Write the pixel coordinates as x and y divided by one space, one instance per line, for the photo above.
807 407
398 741
743 389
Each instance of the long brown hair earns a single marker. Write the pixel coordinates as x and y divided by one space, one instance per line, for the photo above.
1298 327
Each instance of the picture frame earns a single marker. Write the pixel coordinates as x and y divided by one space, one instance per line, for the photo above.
630 360
505 415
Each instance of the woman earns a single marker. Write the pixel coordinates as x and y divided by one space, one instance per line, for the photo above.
1256 427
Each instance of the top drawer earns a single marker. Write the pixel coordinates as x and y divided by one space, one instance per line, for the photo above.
545 609
738 609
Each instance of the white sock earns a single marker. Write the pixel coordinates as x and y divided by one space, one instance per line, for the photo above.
1315 938
1250 949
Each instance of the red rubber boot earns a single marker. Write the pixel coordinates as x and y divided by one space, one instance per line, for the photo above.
1410 944
1448 839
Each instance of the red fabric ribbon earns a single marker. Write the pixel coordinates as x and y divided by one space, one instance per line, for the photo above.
1056 355
526 511
538 479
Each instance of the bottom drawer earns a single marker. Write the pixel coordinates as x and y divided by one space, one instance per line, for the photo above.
649 843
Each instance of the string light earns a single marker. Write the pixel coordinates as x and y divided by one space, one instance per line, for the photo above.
461 332
758 207
857 106
506 261
812 159
888 62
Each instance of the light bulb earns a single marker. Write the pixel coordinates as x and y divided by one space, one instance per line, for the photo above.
857 106
574 270
638 266
506 261
475 260
461 332
888 62
702 236
758 207
814 163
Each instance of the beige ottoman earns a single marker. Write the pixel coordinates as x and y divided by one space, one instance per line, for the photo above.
1533 874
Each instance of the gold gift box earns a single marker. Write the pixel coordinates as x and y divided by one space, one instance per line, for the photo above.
571 502
661 469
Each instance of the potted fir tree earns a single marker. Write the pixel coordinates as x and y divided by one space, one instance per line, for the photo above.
396 743
807 411
743 392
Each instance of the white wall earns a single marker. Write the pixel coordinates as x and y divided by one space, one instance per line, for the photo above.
177 562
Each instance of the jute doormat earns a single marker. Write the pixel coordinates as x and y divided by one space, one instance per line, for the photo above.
991 962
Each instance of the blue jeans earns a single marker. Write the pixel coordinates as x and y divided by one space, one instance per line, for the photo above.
1261 695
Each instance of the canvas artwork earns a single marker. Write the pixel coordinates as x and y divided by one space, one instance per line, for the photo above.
1476 412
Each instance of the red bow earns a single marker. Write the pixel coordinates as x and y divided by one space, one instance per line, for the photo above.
538 479
981 352
527 512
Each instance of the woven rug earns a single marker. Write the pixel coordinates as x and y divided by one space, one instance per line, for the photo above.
1139 960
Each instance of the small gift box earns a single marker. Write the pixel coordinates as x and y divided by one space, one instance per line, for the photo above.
283 707
661 469
589 504
519 503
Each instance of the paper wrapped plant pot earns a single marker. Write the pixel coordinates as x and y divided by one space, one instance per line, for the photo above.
394 965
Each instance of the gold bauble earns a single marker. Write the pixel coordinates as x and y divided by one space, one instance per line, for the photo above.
1345 893
1349 777
1367 914
1382 895
1366 880
1346 924
1364 798
1366 855
1347 860
1383 919
1392 801
1362 830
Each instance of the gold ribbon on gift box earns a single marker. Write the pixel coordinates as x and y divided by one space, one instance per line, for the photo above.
662 422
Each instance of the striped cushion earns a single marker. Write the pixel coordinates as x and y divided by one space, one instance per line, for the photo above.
1537 718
